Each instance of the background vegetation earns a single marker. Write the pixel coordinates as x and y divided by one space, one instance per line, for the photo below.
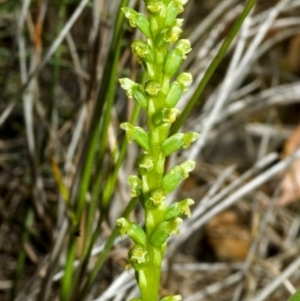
64 162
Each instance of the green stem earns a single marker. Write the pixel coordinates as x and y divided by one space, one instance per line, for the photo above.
149 292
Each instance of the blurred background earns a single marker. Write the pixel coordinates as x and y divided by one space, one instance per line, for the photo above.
64 162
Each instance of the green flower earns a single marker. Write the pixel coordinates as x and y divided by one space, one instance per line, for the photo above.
175 176
133 230
163 230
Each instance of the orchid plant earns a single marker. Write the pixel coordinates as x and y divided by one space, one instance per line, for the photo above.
161 55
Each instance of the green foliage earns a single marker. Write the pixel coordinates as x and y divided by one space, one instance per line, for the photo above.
158 97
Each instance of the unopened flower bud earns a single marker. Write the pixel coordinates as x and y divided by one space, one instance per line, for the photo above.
152 88
165 116
133 230
137 134
163 230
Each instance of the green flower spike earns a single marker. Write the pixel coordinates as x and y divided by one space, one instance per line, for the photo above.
179 208
178 173
165 229
137 134
161 53
133 230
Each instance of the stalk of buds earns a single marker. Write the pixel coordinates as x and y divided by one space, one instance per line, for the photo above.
161 55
